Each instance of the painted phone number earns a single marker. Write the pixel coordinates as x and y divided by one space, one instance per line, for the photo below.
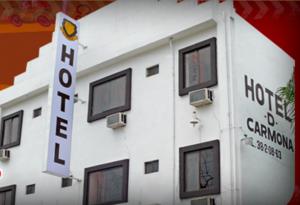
268 149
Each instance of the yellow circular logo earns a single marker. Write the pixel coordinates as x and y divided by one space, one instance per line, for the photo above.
69 30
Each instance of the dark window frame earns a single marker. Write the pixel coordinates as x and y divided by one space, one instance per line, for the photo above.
3 119
215 145
128 74
213 56
11 188
122 163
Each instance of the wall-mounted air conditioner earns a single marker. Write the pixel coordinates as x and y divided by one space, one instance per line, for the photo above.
116 120
203 201
201 97
4 154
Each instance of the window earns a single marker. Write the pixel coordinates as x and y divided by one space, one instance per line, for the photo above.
197 66
106 184
110 95
7 195
37 112
65 182
11 127
30 189
199 169
151 166
153 70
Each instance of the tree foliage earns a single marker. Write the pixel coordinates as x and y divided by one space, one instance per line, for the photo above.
288 94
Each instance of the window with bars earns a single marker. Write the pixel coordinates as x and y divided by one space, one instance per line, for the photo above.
151 166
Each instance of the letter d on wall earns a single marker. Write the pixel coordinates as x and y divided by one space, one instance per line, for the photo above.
61 96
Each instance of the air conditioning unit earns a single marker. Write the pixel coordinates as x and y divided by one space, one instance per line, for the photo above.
203 201
116 120
201 97
4 154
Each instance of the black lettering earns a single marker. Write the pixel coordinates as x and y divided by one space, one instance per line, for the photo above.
260 96
278 106
64 97
64 54
263 130
61 77
271 120
279 139
285 142
248 124
270 94
286 116
56 155
291 145
61 125
272 135
257 130
249 88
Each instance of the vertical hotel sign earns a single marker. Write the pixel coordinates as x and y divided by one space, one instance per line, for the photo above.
61 96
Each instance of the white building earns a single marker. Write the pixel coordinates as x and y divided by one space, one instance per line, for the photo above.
143 58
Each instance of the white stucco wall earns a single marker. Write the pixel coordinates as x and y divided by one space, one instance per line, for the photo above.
264 177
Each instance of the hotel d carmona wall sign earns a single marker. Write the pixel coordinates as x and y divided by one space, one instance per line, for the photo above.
61 96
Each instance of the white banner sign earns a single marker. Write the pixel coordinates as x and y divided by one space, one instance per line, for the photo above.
62 96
